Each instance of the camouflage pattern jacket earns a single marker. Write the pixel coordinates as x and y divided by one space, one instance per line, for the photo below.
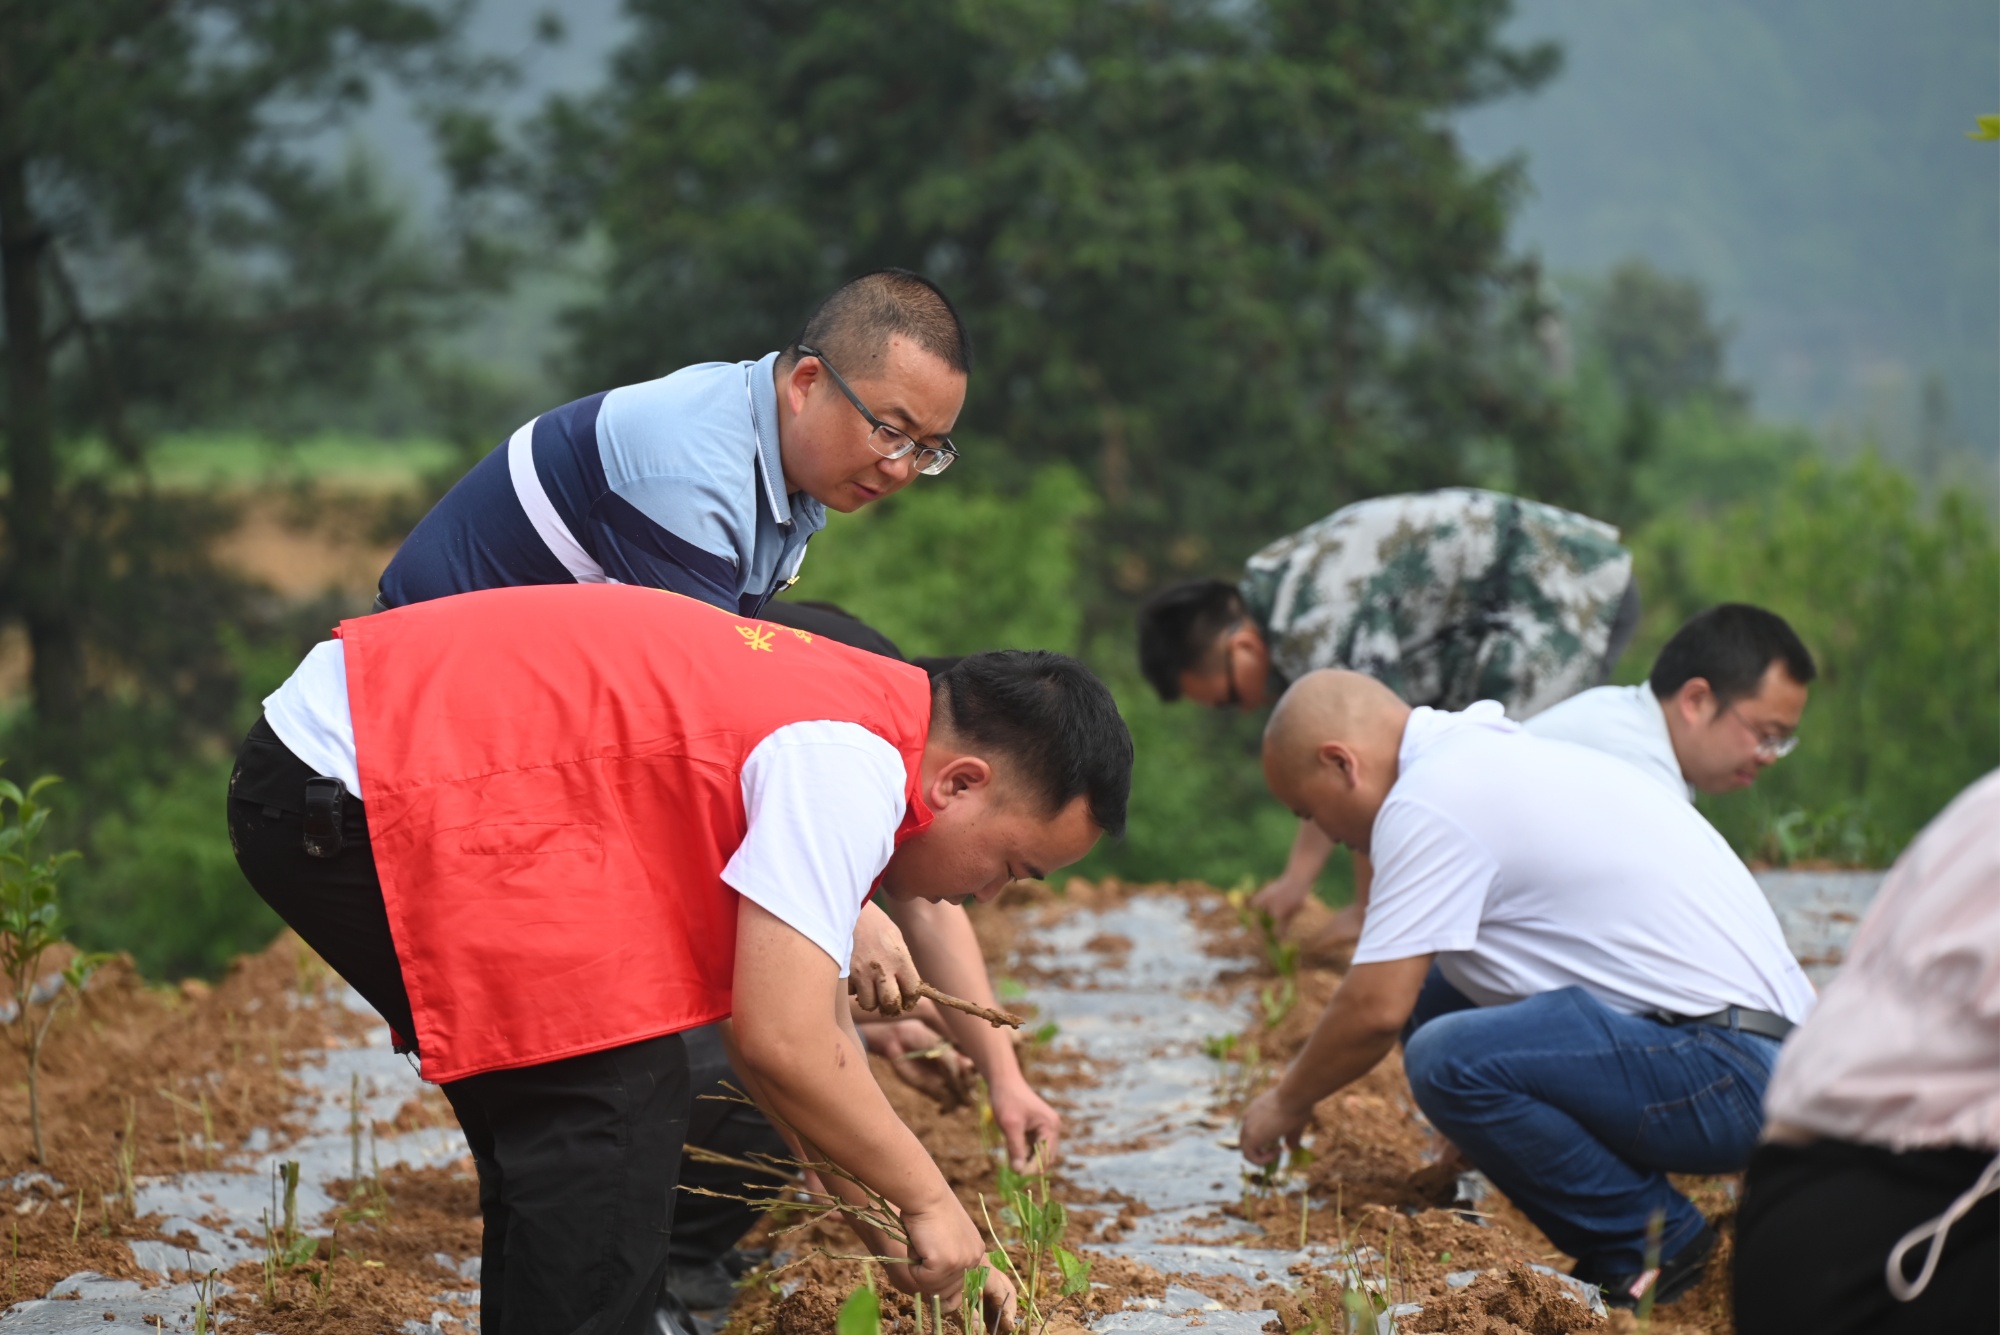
1447 597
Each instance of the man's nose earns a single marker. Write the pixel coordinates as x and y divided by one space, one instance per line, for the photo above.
903 470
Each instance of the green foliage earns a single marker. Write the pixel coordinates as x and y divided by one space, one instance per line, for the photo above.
31 923
945 568
861 1314
1901 608
163 883
1038 1224
1224 259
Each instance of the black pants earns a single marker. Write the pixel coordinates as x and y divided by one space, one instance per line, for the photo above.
704 1226
1818 1223
578 1159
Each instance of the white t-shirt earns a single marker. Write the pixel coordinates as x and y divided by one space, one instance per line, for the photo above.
1528 865
1623 721
823 799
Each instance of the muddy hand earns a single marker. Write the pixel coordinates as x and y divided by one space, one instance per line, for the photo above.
1269 1124
944 1244
1032 1128
880 974
1282 898
1002 1306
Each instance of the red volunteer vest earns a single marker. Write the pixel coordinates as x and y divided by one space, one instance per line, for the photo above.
553 785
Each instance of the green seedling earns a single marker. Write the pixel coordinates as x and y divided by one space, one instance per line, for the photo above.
1039 1224
972 1311
204 1300
1043 1035
1009 989
861 1314
1220 1047
1280 954
1277 1001
31 922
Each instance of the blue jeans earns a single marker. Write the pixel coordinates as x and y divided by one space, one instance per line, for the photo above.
1578 1112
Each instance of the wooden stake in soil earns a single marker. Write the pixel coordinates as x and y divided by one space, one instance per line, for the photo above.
998 1019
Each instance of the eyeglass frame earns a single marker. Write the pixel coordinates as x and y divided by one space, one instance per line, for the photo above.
1776 748
946 452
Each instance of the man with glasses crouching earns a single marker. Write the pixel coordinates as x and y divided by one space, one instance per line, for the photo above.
1723 701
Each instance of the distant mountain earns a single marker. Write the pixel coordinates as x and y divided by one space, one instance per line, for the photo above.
1806 160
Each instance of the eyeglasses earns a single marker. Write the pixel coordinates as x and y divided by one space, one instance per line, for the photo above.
886 440
1768 748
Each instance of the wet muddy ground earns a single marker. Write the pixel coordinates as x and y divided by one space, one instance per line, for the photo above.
1158 1012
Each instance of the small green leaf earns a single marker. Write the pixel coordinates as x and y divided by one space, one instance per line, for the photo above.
1075 1272
861 1314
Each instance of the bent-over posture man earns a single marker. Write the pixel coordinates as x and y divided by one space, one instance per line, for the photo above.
580 821
1446 597
1723 701
1589 986
709 481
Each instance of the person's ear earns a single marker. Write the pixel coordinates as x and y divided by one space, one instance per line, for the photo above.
1341 759
1697 701
801 378
955 779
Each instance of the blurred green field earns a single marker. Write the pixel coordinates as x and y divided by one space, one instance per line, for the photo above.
243 461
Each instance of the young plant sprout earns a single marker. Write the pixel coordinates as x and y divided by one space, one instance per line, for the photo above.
31 922
1039 1224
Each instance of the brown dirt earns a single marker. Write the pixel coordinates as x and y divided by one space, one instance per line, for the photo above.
228 1045
378 1269
115 1056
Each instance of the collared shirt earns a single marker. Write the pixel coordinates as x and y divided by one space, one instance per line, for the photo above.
676 484
1446 597
1623 721
1527 866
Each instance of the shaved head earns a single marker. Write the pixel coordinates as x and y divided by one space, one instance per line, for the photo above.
1331 748
1332 706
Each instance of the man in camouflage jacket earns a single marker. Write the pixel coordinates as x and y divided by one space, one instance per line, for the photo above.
1446 597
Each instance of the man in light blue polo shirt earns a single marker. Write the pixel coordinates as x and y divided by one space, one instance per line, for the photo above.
708 482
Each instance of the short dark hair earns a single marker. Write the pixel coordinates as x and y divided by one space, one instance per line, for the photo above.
1052 718
854 325
1730 646
1178 628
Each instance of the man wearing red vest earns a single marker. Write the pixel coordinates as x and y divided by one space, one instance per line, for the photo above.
544 830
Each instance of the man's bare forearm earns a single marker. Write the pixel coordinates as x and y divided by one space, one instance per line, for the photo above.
1355 1032
946 950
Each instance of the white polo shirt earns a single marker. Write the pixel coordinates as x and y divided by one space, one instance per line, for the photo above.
1623 721
1528 865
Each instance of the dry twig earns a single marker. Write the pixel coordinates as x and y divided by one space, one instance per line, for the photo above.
998 1019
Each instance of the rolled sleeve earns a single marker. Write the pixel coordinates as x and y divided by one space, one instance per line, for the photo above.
823 800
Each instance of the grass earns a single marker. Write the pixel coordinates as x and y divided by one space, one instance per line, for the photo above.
239 460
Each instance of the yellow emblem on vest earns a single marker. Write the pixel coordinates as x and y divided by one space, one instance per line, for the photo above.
800 634
755 637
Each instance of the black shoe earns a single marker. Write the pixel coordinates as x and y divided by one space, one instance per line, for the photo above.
704 1287
1677 1274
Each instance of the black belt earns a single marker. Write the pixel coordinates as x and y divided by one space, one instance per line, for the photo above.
1740 1018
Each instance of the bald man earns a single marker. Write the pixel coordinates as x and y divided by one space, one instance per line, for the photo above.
1589 987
